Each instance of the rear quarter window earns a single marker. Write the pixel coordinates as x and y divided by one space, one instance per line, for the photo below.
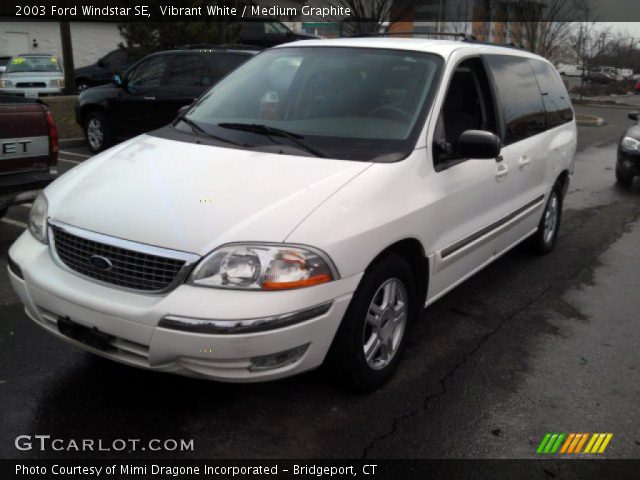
518 96
554 94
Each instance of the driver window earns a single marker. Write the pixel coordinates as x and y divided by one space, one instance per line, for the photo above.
149 73
468 106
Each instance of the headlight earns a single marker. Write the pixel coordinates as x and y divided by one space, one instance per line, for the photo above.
6 83
58 83
38 218
263 267
630 144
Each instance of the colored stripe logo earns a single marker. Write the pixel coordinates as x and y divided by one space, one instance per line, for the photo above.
574 443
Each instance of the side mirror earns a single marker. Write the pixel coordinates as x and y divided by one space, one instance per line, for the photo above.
633 116
479 144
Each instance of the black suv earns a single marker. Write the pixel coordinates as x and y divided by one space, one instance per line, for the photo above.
102 72
149 94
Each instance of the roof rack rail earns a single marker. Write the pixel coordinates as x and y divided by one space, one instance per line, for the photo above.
464 37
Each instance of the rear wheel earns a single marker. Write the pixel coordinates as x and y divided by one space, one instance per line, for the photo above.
543 240
623 179
369 344
97 132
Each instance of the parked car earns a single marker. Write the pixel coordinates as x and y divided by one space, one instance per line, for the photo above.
624 74
637 87
102 72
33 75
303 211
628 164
28 150
569 70
599 77
150 93
268 33
4 60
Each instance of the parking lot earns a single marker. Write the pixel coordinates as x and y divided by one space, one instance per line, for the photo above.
529 345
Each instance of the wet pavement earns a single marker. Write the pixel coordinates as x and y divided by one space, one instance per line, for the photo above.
529 345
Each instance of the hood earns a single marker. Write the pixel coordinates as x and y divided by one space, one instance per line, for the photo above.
35 76
192 197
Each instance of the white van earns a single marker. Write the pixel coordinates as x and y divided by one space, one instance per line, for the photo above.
304 211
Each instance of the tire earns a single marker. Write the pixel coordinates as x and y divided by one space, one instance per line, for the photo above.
543 241
97 133
623 179
82 84
361 326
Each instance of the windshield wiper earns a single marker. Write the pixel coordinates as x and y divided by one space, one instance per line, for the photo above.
201 131
275 132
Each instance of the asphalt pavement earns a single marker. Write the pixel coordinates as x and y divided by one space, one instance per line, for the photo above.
529 345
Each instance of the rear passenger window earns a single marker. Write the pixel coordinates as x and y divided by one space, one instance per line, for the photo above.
189 71
554 94
519 96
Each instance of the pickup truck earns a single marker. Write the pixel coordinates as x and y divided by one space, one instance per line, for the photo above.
28 150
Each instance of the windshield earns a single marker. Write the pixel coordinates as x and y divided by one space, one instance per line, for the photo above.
349 103
33 64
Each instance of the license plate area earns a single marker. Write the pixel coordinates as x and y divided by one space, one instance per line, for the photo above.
31 94
89 336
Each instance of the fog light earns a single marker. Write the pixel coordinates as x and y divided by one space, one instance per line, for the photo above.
277 360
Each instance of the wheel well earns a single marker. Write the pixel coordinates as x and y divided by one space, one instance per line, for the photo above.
87 109
411 250
563 181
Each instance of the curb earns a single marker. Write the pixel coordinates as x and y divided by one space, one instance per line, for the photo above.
71 142
589 120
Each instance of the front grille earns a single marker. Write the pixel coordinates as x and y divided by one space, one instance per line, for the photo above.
129 268
30 84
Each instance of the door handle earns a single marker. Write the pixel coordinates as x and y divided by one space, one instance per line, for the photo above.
501 172
523 162
149 98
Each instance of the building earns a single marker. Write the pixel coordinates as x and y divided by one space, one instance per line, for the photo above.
90 40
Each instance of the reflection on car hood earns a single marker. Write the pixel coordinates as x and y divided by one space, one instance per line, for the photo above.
194 197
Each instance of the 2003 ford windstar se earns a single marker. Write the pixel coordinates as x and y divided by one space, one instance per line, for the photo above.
303 211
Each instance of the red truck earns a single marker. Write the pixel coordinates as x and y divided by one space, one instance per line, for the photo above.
28 150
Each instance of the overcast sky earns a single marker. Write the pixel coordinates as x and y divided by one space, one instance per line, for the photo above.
632 28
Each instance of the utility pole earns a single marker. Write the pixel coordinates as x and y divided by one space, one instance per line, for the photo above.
67 58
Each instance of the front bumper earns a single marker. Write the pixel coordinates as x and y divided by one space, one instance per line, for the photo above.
49 292
23 187
628 163
40 91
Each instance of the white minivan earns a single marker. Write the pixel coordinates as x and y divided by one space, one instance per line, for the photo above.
303 211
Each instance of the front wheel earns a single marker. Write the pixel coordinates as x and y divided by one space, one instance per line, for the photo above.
544 239
97 132
369 344
624 179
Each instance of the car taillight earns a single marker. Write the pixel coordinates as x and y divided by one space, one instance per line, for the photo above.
53 138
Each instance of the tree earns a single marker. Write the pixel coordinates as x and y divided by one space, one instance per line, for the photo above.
153 36
372 16
544 26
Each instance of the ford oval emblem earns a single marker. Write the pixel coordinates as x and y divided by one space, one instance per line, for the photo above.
100 263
